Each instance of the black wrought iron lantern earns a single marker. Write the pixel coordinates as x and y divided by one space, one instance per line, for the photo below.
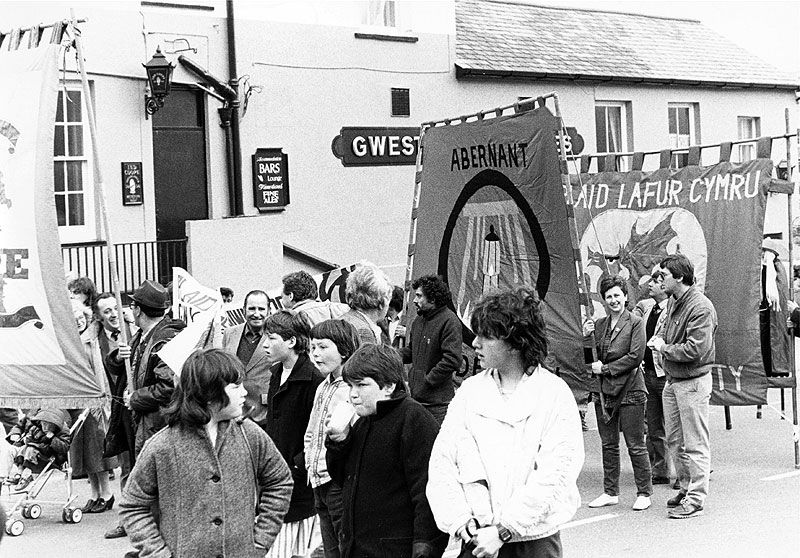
159 77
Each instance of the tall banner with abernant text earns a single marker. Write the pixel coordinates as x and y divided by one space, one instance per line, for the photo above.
492 215
42 360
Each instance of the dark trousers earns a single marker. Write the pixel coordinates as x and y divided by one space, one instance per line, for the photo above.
125 468
656 437
439 411
328 504
629 419
548 547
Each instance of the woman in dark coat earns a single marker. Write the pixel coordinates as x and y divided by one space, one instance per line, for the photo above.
382 463
620 401
293 384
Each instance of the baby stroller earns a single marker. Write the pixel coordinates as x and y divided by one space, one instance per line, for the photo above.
29 506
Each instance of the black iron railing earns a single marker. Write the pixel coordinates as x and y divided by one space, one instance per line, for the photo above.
136 261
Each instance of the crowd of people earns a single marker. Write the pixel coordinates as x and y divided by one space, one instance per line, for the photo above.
335 419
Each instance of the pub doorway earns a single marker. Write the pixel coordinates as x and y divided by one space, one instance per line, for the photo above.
179 174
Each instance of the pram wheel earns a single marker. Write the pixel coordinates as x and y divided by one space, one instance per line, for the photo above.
72 515
15 527
34 511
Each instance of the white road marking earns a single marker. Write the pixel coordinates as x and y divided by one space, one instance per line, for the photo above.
782 476
588 520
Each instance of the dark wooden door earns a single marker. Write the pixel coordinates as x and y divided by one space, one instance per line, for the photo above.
179 163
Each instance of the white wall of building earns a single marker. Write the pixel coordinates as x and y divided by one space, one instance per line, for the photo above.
317 77
230 253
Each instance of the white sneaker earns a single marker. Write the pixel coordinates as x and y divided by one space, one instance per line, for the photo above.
604 500
641 503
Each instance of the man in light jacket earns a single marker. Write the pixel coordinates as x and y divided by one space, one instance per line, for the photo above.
687 347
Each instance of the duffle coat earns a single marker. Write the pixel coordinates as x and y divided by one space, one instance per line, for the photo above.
206 494
382 467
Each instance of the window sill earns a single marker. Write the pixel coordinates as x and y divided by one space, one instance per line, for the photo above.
391 37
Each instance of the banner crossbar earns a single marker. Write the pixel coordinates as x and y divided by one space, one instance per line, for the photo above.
680 149
518 107
42 26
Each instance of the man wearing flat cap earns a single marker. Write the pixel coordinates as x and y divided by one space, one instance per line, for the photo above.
153 382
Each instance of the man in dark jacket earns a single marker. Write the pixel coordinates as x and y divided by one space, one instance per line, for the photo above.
152 379
293 383
131 425
382 462
434 347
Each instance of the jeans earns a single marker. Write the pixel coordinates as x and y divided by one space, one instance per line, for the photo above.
656 437
686 423
547 547
629 419
328 504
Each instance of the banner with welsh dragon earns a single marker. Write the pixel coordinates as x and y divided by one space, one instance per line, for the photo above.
628 222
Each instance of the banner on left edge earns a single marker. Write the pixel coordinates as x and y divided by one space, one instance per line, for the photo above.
42 360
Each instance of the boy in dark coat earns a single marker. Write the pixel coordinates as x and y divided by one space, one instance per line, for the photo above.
382 462
293 383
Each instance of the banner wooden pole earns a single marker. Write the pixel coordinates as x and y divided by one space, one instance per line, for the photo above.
574 236
791 276
412 233
101 192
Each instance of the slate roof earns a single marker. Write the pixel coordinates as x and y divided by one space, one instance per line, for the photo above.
510 38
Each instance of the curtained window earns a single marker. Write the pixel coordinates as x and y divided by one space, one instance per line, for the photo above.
611 128
682 130
380 13
749 128
71 179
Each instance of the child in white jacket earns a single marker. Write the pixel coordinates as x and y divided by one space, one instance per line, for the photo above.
504 467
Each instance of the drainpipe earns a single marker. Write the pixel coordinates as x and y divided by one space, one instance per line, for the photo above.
229 121
235 150
225 123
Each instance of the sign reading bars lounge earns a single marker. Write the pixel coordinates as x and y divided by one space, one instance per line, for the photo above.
376 146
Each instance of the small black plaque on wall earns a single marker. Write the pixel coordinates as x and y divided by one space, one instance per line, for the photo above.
132 191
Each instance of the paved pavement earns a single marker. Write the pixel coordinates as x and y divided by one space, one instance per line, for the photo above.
753 509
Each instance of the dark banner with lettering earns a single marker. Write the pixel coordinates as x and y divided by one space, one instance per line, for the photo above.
627 222
492 216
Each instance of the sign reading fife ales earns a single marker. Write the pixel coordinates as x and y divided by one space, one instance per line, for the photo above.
376 146
270 179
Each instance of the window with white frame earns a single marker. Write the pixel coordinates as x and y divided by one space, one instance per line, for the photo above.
611 127
380 13
682 130
749 128
71 174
